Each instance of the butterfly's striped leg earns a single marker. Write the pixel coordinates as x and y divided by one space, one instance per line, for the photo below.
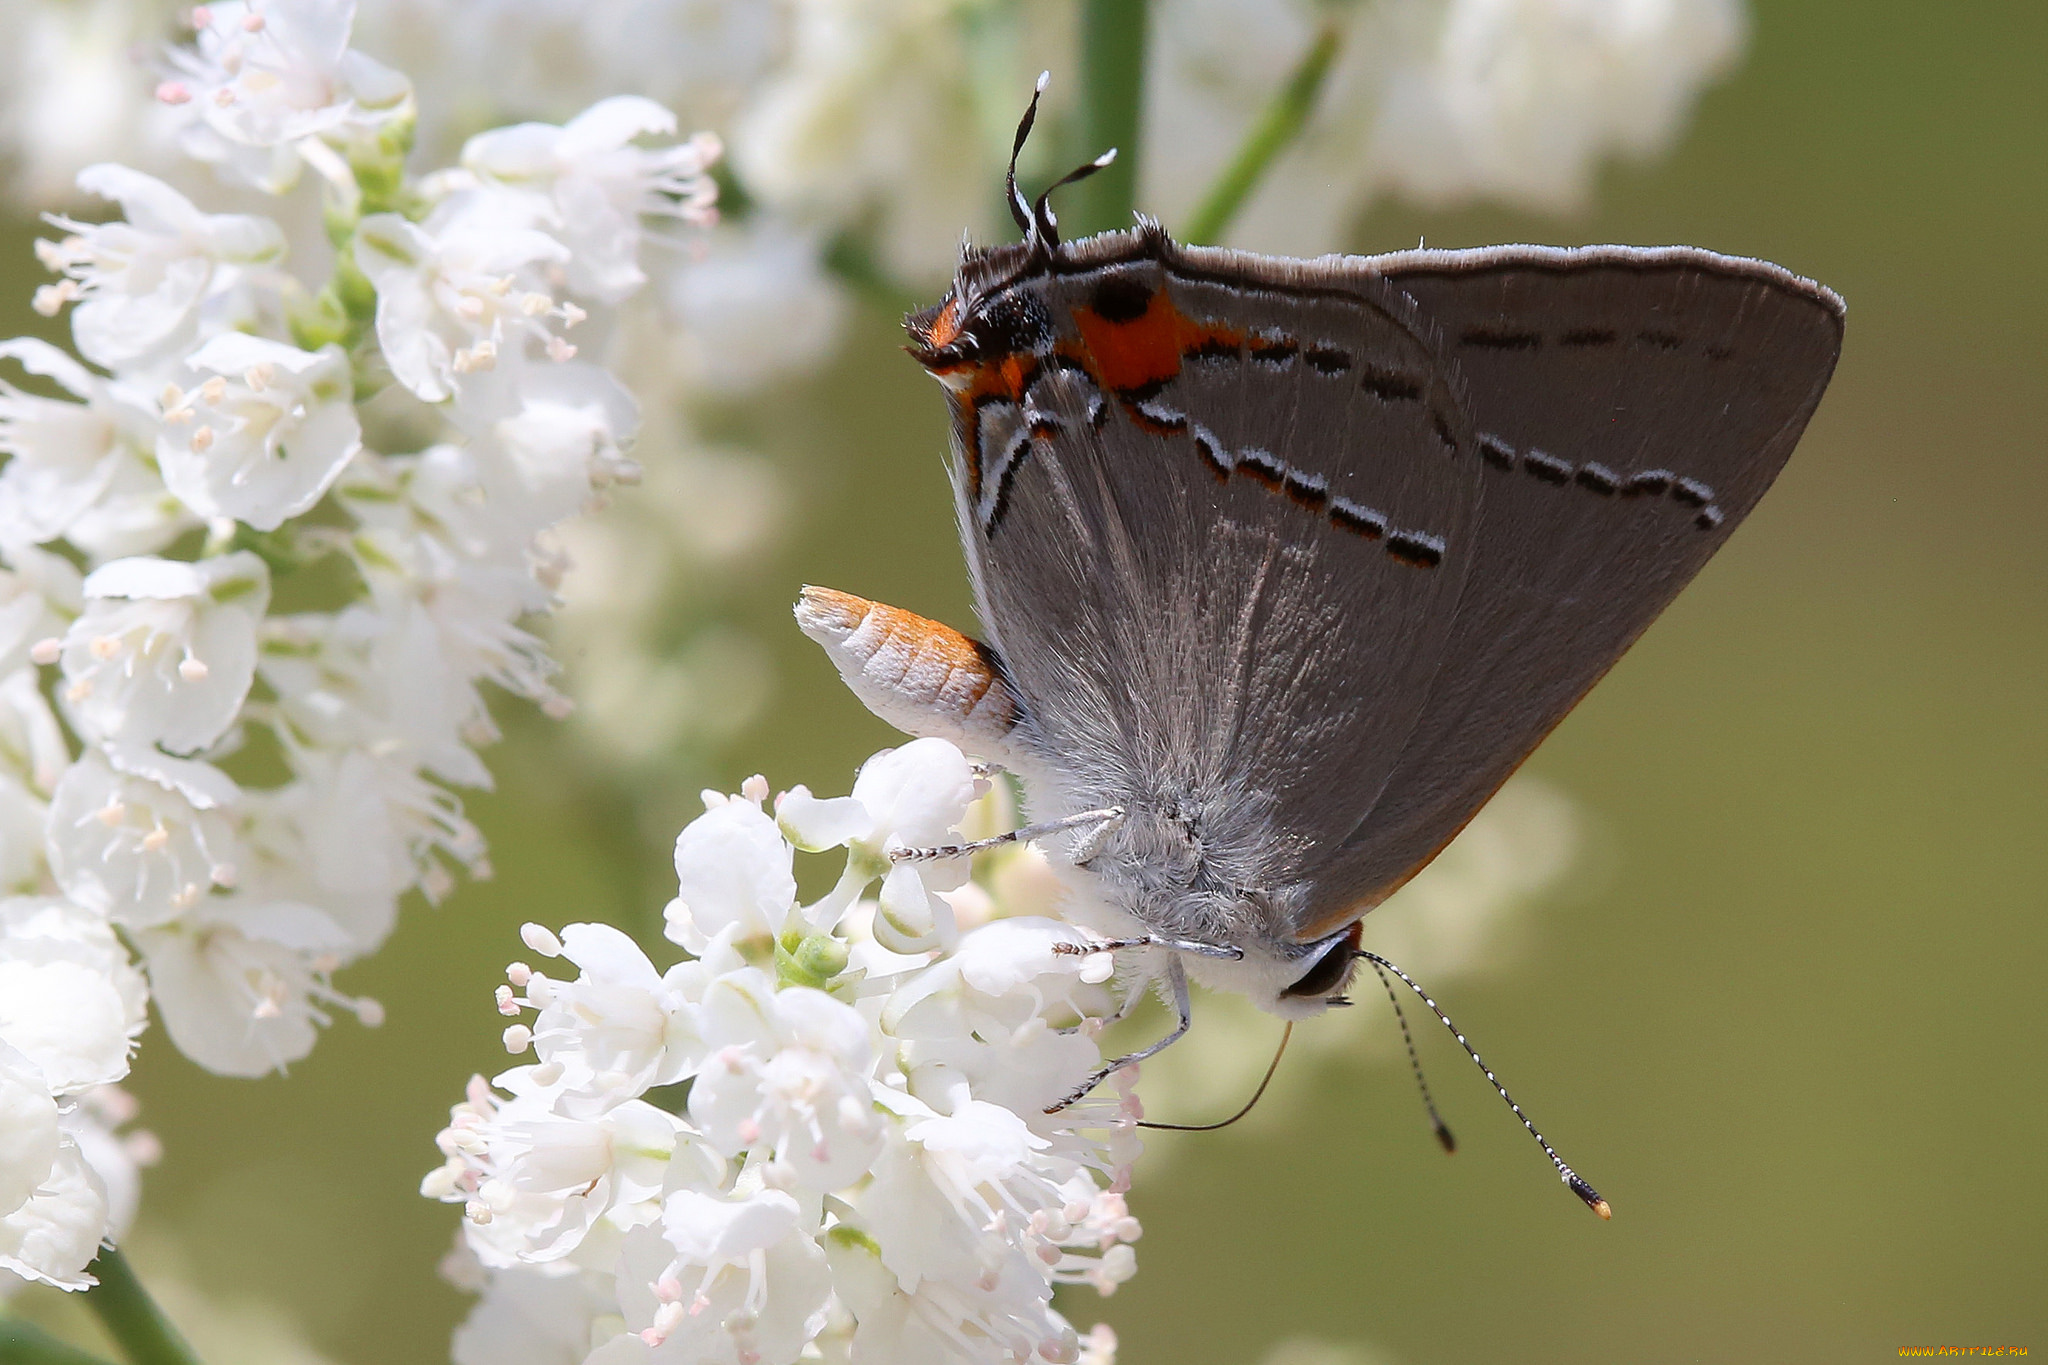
1106 819
1177 988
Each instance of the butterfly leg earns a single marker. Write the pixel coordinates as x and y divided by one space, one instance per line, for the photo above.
1108 818
1176 986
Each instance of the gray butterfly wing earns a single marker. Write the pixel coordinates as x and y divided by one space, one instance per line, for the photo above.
1632 405
1156 526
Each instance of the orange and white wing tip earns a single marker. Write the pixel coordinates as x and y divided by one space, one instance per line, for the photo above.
924 678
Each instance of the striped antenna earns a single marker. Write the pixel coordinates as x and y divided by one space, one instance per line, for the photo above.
1585 1192
1436 1120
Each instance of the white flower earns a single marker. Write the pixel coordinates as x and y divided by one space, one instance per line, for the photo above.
149 286
536 1315
373 826
377 681
912 797
565 437
263 435
861 1175
135 849
53 1235
65 455
70 1002
456 292
241 983
735 879
535 1183
991 1013
165 650
786 1072
1519 99
596 185
727 1281
261 81
29 1132
625 1026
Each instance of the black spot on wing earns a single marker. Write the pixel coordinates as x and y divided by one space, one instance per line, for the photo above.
1417 548
1500 339
1391 387
1261 465
1272 349
1120 297
1496 452
1598 477
1547 467
1357 519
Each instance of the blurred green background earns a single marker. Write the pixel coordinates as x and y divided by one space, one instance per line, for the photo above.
1796 1033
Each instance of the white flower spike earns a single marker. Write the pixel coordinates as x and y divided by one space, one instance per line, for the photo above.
866 1165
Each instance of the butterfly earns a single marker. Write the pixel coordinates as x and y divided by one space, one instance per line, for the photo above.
1286 565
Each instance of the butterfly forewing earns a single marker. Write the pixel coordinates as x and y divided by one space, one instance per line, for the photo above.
1632 405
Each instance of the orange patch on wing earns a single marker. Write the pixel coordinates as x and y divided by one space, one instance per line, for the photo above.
1147 349
1142 350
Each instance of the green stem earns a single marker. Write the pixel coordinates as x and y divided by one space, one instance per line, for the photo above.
1112 104
24 1343
1279 123
131 1317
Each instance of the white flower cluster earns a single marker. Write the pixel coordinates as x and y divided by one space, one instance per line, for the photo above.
891 113
266 639
862 1168
1441 101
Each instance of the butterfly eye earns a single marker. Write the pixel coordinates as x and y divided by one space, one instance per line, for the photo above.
1326 973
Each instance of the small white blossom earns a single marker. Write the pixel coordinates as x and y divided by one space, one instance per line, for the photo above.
53 1235
453 293
594 185
70 1002
65 455
619 1023
786 1073
736 879
146 287
912 797
262 81
134 849
264 430
242 983
728 1280
29 1131
164 651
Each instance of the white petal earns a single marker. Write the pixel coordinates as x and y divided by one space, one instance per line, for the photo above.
813 823
54 1236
